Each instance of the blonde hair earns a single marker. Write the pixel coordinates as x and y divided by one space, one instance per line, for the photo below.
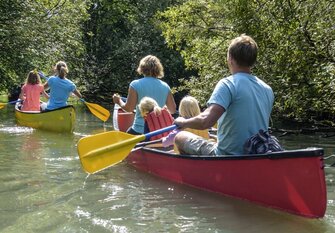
151 66
147 105
33 78
61 69
189 107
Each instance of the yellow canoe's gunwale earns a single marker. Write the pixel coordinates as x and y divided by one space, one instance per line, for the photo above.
57 120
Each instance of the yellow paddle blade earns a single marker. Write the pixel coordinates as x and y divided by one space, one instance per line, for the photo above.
98 111
99 151
2 105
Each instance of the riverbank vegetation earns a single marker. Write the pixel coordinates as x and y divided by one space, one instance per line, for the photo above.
103 41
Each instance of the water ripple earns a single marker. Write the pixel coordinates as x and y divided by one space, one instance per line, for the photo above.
17 130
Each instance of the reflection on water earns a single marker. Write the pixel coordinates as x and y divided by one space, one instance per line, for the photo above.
16 130
44 189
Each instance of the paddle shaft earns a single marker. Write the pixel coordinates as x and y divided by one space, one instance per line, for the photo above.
141 144
14 101
2 105
160 131
129 142
114 146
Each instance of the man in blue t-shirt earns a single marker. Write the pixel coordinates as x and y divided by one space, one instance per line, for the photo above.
240 103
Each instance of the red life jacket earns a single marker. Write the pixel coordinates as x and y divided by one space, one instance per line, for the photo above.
160 121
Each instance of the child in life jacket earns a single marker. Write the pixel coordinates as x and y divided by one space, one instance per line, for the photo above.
154 116
188 107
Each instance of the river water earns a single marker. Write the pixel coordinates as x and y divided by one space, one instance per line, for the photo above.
44 189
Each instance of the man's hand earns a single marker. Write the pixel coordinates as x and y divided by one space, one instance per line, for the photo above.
180 122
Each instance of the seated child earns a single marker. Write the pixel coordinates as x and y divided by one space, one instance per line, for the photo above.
154 116
31 91
188 107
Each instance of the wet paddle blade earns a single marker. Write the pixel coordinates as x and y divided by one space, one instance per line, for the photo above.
2 105
98 111
99 151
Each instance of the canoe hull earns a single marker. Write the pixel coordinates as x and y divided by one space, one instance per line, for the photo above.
122 120
58 120
291 181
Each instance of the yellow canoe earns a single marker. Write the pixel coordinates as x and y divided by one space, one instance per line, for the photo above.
57 120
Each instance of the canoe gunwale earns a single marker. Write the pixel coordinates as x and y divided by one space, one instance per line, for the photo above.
42 112
299 153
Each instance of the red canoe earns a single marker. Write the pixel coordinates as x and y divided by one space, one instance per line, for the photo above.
122 120
291 181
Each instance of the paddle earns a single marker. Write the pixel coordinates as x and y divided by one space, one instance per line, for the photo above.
146 143
2 105
99 151
97 110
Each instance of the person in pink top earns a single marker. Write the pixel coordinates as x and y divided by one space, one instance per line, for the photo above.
31 92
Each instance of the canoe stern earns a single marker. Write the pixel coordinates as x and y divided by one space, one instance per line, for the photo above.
58 120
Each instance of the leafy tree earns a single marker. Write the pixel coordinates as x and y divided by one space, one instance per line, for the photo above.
296 40
118 35
36 34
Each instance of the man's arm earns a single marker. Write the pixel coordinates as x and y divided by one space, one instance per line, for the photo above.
205 120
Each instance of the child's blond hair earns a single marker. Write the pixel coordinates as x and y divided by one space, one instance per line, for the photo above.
189 107
147 105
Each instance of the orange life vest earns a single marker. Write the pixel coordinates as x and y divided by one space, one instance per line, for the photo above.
160 121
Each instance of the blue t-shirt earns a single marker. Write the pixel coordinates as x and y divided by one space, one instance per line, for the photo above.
150 87
60 90
248 103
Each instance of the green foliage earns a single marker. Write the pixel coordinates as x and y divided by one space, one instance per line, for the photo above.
199 32
296 40
300 58
36 34
103 41
118 35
